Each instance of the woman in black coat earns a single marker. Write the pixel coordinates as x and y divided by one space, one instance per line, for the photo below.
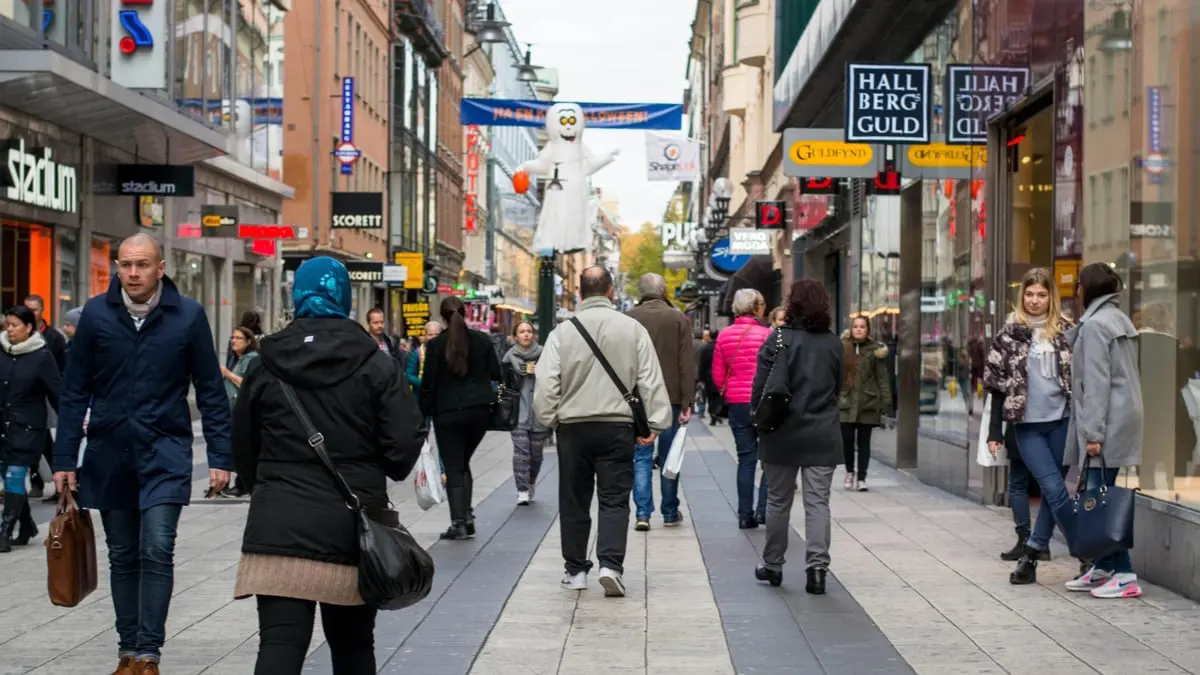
300 547
28 380
458 392
809 443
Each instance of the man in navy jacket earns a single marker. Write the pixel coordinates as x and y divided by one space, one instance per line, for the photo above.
136 351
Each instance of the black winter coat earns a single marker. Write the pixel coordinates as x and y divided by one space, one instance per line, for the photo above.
812 434
443 391
28 380
357 398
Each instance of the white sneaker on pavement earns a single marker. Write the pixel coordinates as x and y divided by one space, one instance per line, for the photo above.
523 498
1088 580
611 581
861 485
848 482
575 582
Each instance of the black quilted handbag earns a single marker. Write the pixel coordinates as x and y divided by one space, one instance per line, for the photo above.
776 400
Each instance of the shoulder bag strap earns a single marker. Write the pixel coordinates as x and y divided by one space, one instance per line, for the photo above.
600 357
317 441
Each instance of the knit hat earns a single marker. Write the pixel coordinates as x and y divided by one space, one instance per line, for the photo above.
72 316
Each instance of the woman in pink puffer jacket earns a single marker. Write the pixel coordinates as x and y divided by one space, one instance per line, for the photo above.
734 360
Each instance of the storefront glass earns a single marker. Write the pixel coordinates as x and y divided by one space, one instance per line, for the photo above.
189 274
102 267
28 263
68 271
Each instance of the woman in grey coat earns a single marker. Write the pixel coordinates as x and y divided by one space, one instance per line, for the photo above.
529 438
1106 415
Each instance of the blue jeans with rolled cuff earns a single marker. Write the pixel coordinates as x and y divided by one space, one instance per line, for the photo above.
643 475
141 559
1042 445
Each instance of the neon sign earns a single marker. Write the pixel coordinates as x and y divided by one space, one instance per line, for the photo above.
139 35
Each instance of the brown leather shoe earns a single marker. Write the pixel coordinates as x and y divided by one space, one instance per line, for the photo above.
145 667
124 666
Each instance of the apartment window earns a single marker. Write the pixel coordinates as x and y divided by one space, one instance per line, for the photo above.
1126 84
1107 180
349 67
1110 85
1092 90
1097 236
1121 220
1164 46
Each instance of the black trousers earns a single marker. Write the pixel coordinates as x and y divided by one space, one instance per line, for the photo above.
458 434
285 628
594 456
863 432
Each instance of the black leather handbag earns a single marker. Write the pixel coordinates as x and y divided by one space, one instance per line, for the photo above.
506 411
776 401
1098 521
394 572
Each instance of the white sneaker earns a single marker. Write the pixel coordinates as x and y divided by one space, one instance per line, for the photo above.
523 498
861 485
611 581
848 483
1090 579
1124 585
575 582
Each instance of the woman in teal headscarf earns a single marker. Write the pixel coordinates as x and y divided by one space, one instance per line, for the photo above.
300 547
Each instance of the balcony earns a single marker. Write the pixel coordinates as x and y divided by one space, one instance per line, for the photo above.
755 28
418 20
739 88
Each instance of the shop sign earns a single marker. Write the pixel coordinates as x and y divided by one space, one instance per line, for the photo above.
709 287
219 220
156 180
346 152
1155 162
414 265
821 153
245 231
939 160
818 186
35 179
811 211
136 61
1151 220
474 148
416 315
747 241
723 259
395 274
364 272
357 210
888 102
770 215
976 94
677 235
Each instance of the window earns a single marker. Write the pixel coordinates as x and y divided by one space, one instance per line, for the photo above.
1126 85
1110 84
1164 46
1098 237
1121 215
1107 217
1092 90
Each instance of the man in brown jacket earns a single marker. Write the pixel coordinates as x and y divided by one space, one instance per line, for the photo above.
672 337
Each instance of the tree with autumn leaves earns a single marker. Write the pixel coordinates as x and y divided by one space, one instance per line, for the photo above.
642 253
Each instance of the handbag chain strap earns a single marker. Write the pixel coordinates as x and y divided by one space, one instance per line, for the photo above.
317 441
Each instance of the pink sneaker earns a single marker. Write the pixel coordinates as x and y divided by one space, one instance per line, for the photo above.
1123 585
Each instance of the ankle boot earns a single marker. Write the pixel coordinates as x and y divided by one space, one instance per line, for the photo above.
1013 554
456 498
8 520
469 519
815 581
1026 571
26 527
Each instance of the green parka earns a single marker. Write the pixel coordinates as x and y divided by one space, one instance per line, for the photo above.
865 401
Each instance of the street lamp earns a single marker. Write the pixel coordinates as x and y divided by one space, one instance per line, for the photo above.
488 31
527 72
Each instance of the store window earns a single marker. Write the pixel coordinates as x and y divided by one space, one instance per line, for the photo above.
189 275
28 262
102 264
68 271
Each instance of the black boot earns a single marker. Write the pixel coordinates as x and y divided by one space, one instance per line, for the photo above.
8 520
815 582
456 497
1026 572
26 527
1013 554
469 520
773 577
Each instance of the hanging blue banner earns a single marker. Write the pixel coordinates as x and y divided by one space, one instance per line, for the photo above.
498 112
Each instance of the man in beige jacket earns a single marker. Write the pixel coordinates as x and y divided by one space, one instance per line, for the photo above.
576 397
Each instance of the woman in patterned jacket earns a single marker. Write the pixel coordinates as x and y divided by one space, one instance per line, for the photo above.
1028 371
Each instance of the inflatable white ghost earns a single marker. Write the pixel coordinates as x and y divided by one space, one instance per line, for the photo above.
563 224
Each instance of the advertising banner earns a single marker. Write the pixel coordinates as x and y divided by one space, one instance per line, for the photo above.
888 102
671 158
499 112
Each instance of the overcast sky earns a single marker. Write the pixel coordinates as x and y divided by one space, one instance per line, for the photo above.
613 51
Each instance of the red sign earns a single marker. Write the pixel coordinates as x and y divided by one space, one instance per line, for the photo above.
811 210
470 204
266 232
818 186
770 215
263 247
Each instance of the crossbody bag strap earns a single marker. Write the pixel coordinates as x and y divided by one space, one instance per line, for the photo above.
317 441
612 374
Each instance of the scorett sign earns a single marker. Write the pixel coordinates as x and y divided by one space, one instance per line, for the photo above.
357 210
33 177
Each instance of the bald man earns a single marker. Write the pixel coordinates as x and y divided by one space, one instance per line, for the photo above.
137 350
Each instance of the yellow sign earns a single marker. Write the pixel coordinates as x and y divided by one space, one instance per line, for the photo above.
415 264
416 315
211 221
942 156
830 153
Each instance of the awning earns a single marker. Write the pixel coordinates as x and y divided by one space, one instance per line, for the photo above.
52 87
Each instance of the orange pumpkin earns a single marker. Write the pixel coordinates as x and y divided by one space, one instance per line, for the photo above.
521 182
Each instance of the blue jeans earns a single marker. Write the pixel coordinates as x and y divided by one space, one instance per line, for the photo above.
1041 445
643 476
1119 562
745 438
14 479
1018 497
141 559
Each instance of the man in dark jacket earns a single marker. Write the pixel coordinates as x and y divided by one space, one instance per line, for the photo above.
137 349
672 338
377 327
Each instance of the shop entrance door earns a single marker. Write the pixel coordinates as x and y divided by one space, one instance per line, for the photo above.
28 264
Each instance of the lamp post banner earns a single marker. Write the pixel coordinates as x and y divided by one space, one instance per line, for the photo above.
497 112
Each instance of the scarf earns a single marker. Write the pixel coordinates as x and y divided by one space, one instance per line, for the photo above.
1040 347
321 288
139 310
518 356
31 344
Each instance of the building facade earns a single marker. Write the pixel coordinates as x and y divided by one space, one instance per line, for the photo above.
200 108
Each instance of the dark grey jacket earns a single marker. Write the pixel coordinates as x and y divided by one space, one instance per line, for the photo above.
812 434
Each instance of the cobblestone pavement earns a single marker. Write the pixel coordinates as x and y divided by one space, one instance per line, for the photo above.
917 586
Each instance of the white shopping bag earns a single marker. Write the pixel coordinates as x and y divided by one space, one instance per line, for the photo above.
983 456
427 481
674 463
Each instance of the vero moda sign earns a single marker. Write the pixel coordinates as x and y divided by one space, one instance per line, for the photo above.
357 210
889 102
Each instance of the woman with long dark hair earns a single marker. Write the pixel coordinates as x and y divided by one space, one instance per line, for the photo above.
457 391
809 442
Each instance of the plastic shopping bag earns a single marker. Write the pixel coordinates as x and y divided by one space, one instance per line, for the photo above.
674 463
983 456
427 482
